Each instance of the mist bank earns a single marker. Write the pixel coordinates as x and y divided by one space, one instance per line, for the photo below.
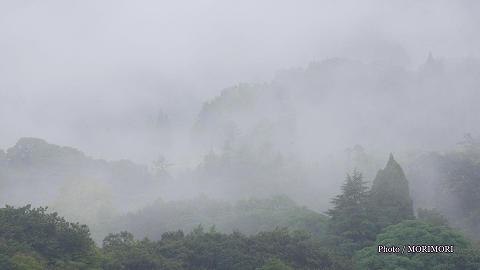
312 112
121 195
95 84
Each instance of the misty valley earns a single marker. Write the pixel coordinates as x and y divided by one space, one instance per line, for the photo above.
240 135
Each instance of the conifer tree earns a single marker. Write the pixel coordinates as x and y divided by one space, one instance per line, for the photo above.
349 221
390 200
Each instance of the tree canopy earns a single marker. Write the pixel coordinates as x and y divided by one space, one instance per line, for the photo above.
390 199
34 239
349 220
414 232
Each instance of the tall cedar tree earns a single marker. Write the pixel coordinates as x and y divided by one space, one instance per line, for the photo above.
390 200
349 222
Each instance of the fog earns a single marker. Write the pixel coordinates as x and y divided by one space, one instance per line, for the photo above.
229 99
71 69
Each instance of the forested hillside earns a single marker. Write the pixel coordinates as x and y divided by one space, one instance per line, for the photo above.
247 216
305 124
277 234
434 198
46 173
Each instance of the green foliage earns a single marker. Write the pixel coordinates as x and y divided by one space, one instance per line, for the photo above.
413 232
390 200
31 238
432 216
122 251
247 216
273 233
66 176
210 249
23 262
349 223
358 214
275 264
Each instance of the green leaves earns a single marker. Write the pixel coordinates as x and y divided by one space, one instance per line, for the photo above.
275 264
23 262
349 223
247 216
31 238
413 232
208 249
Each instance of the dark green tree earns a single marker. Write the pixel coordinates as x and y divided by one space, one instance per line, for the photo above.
32 238
122 251
390 201
349 223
